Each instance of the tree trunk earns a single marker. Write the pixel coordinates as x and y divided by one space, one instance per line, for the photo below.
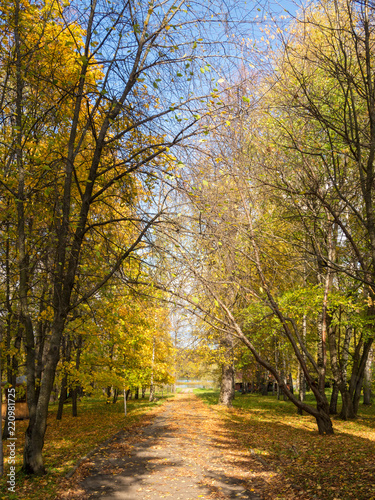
143 391
32 454
301 388
279 392
125 406
339 370
258 378
227 389
290 383
324 322
347 410
367 380
34 437
340 373
226 386
152 393
320 413
63 397
115 395
324 424
322 355
64 382
283 376
277 357
38 409
333 401
136 393
42 329
76 387
264 384
356 382
243 388
323 419
54 394
74 401
345 353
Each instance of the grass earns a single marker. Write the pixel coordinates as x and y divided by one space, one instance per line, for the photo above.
70 439
340 467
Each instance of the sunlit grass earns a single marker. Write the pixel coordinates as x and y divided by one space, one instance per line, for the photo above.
341 466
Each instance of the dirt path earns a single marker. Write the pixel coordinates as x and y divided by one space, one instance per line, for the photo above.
186 453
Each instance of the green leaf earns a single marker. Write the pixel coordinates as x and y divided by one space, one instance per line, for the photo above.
83 59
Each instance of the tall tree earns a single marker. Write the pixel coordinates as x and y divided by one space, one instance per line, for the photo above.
93 98
321 122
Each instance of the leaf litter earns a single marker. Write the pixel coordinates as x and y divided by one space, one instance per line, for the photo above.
188 452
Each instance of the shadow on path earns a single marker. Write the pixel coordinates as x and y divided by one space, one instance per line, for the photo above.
175 457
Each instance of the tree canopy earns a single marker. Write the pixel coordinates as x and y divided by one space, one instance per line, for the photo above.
163 160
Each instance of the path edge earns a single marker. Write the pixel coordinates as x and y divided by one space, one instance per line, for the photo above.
103 444
71 472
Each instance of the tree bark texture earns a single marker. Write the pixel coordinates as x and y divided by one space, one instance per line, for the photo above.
367 380
227 389
333 400
226 385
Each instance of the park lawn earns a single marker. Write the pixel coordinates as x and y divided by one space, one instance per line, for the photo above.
72 438
340 467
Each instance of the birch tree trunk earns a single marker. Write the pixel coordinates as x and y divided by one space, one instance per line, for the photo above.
367 382
226 395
